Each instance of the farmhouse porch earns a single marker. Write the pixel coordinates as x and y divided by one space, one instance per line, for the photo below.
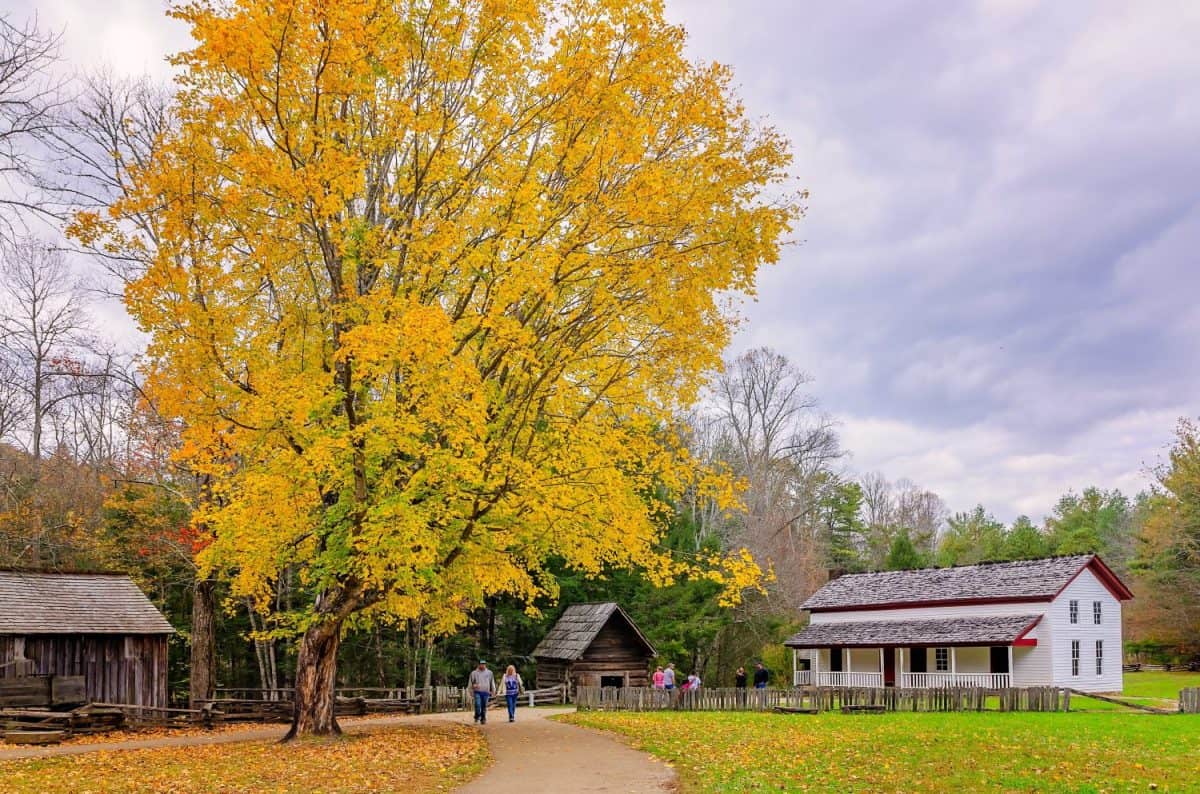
989 652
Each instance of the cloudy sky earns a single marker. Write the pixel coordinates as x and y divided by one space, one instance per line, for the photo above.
996 283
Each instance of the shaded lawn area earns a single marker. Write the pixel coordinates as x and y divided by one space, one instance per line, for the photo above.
734 752
420 758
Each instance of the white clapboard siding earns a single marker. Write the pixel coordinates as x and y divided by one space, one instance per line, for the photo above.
1086 588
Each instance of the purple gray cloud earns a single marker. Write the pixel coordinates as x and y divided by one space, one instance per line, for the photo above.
996 289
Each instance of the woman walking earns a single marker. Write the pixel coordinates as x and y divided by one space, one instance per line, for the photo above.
512 687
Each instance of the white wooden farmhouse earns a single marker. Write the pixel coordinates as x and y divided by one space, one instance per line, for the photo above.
1051 622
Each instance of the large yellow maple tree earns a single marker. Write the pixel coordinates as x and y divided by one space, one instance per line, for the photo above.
428 283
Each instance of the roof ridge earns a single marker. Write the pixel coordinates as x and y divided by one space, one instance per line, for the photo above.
980 564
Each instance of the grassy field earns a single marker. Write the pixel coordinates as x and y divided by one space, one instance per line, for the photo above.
1159 690
1094 752
428 758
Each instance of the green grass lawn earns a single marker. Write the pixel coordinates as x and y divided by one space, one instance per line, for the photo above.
1164 686
1159 690
1094 752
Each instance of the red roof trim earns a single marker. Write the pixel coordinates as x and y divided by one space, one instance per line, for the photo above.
1105 575
947 602
1021 640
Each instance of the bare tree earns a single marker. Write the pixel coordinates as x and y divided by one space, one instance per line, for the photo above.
111 130
30 95
41 322
768 430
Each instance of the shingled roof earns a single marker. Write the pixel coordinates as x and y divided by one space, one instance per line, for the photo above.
578 627
76 603
1024 580
985 630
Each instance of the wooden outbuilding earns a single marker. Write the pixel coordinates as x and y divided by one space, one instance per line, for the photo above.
96 625
594 645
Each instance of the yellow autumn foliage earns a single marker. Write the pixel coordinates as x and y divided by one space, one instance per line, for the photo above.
429 282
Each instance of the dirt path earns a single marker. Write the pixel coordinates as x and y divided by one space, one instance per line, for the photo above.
535 754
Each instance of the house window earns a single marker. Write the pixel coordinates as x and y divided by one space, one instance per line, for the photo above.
1074 611
1096 612
941 659
1074 657
1099 656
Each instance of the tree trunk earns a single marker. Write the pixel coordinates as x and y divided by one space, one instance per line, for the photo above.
204 609
316 676
428 660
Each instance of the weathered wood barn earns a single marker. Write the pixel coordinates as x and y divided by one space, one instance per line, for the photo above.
594 645
96 625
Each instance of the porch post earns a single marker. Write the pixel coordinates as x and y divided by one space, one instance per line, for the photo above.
953 661
816 667
795 664
882 672
1011 673
849 656
900 667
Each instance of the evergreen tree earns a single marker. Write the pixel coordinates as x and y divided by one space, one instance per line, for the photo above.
903 555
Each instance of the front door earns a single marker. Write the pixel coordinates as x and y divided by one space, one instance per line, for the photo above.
1000 659
889 666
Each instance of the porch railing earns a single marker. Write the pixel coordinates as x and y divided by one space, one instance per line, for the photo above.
907 680
981 680
828 678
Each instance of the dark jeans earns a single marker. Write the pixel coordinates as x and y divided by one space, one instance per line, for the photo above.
481 703
512 706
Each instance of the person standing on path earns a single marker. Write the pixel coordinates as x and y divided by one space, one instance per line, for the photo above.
658 678
739 678
513 686
760 676
482 684
669 676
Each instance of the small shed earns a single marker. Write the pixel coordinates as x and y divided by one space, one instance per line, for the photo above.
594 645
96 625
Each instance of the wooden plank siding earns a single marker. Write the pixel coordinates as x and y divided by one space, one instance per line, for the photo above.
129 669
615 651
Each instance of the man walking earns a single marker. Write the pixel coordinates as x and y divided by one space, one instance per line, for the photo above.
760 676
482 684
669 676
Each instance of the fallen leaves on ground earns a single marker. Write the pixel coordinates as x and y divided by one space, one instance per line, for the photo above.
410 759
740 752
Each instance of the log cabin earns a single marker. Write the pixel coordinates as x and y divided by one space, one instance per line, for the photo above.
594 645
96 625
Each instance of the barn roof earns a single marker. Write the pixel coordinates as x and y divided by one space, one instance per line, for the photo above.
1024 580
578 627
984 630
76 603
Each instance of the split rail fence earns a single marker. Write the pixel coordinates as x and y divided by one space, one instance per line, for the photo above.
817 699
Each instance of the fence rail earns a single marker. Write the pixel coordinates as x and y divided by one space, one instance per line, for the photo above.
960 698
1189 700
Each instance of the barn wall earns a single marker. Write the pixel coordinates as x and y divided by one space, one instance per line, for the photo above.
551 672
616 650
116 669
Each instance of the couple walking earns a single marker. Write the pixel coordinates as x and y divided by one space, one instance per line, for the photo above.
483 685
